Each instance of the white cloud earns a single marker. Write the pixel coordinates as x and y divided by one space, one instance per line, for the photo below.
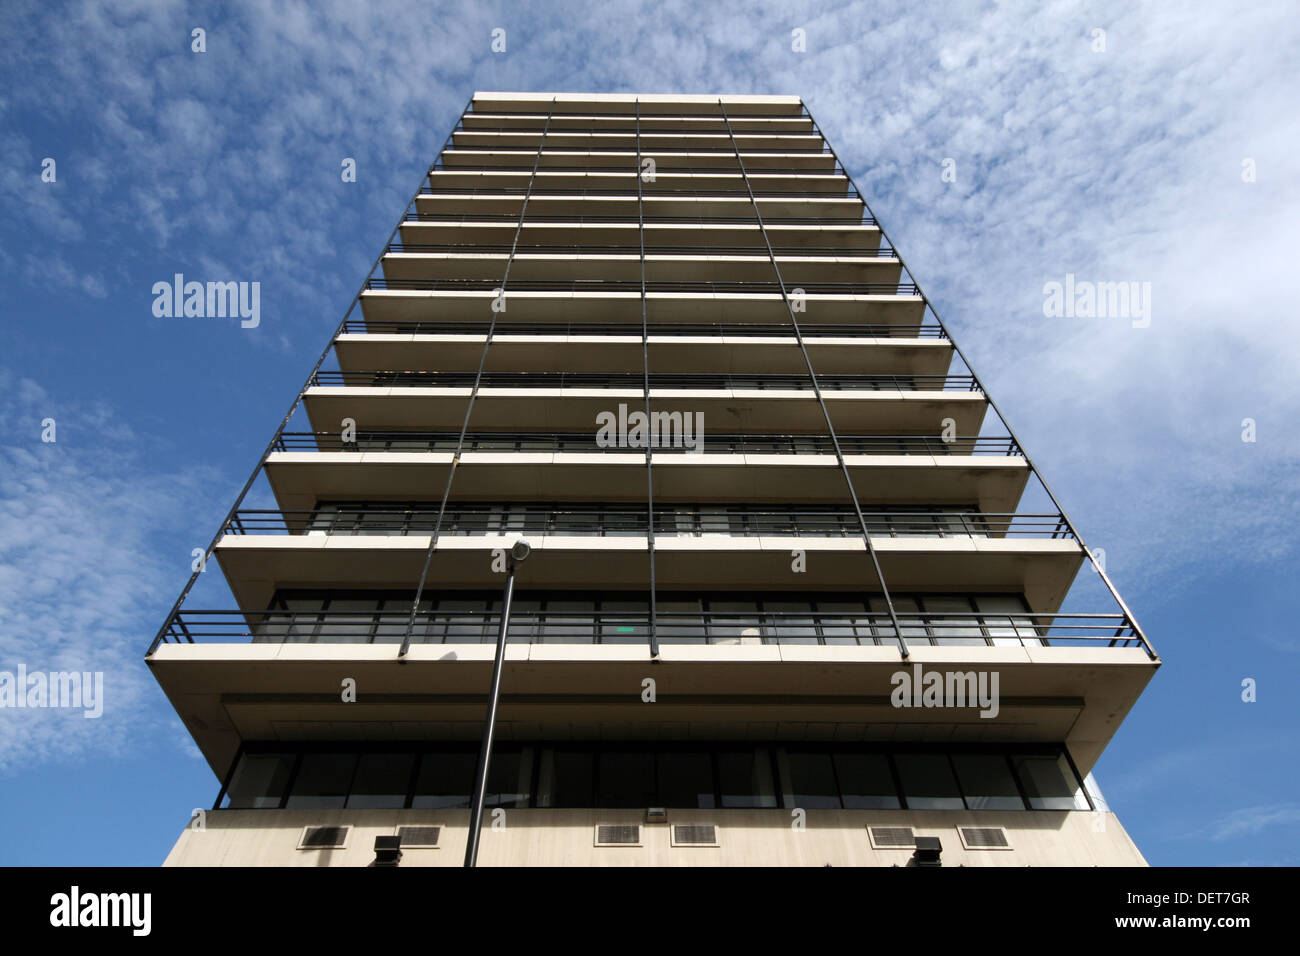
82 582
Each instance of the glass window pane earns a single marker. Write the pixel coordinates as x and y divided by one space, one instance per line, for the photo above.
568 622
624 622
322 781
258 782
843 622
1049 782
986 782
928 782
445 780
626 780
509 782
908 611
680 622
381 781
812 781
959 629
1014 629
745 779
686 780
791 621
466 621
734 622
573 779
865 782
339 626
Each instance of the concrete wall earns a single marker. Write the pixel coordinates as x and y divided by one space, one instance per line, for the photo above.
748 838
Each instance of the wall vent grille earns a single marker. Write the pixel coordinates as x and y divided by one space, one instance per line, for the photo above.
984 838
418 837
892 838
695 834
323 838
618 835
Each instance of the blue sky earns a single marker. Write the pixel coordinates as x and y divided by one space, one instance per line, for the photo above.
1115 165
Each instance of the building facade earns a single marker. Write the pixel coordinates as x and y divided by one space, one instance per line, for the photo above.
785 603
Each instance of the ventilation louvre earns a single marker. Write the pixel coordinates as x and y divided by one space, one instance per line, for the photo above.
618 834
695 834
892 838
984 838
323 838
418 838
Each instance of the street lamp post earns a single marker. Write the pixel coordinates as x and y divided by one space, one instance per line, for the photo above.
518 553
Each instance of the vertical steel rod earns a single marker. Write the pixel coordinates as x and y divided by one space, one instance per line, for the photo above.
812 375
489 726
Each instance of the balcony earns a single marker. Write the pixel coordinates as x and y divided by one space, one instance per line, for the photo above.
563 401
821 675
715 547
698 302
401 466
800 267
785 233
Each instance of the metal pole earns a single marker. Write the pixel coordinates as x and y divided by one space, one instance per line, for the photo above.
489 726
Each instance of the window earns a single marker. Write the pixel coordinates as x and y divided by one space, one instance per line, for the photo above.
953 626
259 781
745 778
445 780
626 780
381 782
1049 782
685 779
928 783
865 782
811 781
986 782
322 781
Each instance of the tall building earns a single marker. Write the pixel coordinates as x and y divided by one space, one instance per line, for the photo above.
784 602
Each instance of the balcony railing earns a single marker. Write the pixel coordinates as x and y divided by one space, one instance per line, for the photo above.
858 628
631 194
606 249
692 380
585 442
927 330
647 150
633 168
610 522
705 287
533 217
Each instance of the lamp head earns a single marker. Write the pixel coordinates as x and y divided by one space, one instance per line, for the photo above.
520 550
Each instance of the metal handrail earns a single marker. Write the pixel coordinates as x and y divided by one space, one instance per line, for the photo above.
583 192
634 169
821 150
581 327
701 380
581 218
602 521
721 628
398 441
838 252
626 285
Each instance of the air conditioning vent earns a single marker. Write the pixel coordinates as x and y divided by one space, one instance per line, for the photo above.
695 834
418 838
618 835
984 838
892 838
323 838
